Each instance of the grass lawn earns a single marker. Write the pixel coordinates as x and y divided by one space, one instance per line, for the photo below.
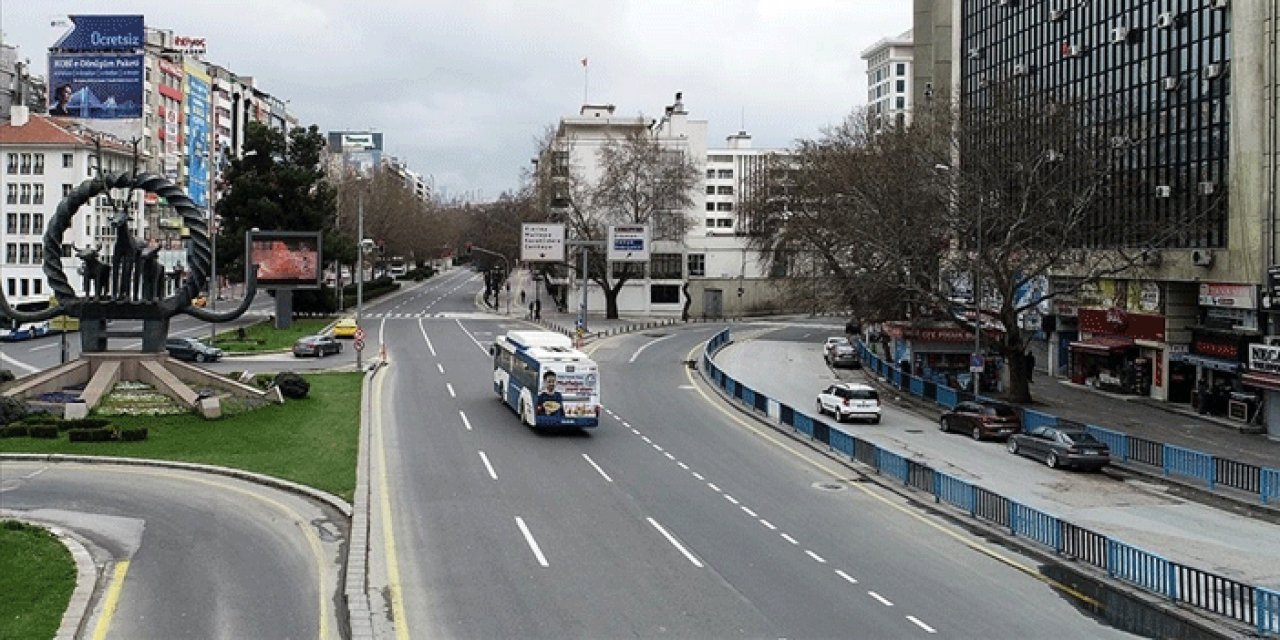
263 336
37 576
311 441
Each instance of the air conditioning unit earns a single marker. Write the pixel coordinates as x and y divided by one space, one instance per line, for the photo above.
1119 142
1164 191
1166 20
1075 50
975 53
1057 14
1021 69
1169 84
1202 257
1212 70
1008 3
1218 4
1150 258
1119 34
1052 155
983 81
1207 188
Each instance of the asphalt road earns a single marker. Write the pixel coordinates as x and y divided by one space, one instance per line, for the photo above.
203 556
676 518
1141 513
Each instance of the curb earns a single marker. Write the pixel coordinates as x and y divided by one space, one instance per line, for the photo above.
356 591
1220 628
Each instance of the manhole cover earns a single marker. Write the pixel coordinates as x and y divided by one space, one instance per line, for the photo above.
828 486
655 335
915 431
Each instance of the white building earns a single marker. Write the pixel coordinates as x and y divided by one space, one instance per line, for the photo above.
45 158
889 77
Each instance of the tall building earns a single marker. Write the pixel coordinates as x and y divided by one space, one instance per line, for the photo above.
1193 85
17 85
44 159
732 173
931 36
889 80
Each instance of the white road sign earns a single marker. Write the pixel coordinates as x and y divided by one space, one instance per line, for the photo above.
629 243
542 242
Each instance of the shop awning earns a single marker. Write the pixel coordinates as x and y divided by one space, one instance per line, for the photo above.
1261 380
1230 366
1103 345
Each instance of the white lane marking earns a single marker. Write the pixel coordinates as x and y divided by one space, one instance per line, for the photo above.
683 466
440 367
768 525
713 487
731 499
646 439
533 544
628 425
788 538
46 346
668 455
697 475
655 446
449 385
465 422
473 338
815 556
884 601
18 363
382 330
646 346
687 387
847 577
676 543
918 623
423 329
749 511
597 468
635 431
492 474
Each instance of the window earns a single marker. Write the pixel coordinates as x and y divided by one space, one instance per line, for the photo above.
724 206
38 287
11 223
38 169
25 166
66 189
12 197
38 196
24 253
698 262
711 173
25 225
725 174
664 294
11 257
25 191
12 163
724 190
26 287
68 161
13 287
711 206
37 223
627 269
37 255
665 266
711 190
902 69
901 103
901 86
724 223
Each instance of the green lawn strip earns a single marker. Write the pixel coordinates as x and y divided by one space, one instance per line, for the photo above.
313 441
263 336
37 576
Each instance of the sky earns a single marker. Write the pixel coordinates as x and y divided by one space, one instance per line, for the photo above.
463 89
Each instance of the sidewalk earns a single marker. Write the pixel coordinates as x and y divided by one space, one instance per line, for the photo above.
1152 420
566 321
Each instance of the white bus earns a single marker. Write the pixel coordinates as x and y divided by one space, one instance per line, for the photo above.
545 380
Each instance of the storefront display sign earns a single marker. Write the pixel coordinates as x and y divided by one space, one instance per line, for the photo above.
1264 358
1231 296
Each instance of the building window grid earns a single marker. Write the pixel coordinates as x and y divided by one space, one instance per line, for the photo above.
1177 138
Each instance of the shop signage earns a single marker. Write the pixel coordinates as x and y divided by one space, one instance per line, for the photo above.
933 334
189 45
1215 349
1116 321
1264 358
1149 299
1231 296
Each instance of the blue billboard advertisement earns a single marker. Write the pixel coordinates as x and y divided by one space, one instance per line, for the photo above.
103 33
99 86
198 137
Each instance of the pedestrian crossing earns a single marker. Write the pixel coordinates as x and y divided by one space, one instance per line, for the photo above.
442 315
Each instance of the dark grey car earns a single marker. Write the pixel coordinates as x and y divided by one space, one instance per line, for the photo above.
318 346
192 349
1061 448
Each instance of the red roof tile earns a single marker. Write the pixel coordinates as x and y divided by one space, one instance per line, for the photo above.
42 129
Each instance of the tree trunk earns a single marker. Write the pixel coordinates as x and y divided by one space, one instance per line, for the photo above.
610 304
1014 352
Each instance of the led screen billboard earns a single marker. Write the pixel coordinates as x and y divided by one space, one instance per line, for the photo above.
285 259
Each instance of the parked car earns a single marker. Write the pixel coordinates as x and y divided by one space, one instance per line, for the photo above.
831 343
318 346
346 328
982 419
1062 448
842 354
849 400
192 349
25 331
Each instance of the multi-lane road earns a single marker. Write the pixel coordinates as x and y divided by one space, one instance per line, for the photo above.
677 517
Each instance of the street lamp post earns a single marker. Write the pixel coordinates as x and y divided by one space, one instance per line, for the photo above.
359 268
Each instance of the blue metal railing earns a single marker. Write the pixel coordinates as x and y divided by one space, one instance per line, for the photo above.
1032 419
917 387
1186 462
1204 590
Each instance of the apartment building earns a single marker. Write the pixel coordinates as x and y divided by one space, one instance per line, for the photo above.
889 81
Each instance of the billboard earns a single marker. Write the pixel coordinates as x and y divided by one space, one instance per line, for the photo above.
285 259
629 243
98 86
360 150
541 242
197 109
103 33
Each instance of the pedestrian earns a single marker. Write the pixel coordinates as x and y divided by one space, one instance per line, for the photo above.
1202 396
537 309
522 296
1031 367
530 310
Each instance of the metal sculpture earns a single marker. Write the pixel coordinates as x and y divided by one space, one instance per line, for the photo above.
130 287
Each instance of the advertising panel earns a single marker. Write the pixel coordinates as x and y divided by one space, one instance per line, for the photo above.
197 109
96 86
628 243
1231 296
541 242
103 33
285 259
1264 358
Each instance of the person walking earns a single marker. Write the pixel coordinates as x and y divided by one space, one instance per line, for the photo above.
522 297
1031 367
537 309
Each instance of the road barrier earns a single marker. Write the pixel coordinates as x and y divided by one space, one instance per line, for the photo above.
1204 590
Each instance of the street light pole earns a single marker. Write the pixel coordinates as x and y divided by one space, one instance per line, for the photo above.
359 268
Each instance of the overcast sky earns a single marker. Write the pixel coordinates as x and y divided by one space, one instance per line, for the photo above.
461 89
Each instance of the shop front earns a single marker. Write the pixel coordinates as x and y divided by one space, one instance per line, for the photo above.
1263 378
1119 351
940 354
1228 325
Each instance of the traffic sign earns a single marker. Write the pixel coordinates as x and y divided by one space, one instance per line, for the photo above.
359 345
976 363
359 334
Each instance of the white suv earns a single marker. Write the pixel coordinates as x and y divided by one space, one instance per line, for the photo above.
848 400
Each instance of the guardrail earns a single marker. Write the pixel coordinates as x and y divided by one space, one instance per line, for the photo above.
1172 460
1255 606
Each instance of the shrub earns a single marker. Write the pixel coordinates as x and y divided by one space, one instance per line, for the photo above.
292 385
13 431
43 431
90 435
83 423
7 376
12 409
133 435
40 417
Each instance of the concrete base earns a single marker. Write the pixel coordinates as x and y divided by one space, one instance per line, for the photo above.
101 371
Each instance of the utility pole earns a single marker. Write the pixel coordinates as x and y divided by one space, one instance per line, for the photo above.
359 268
586 252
